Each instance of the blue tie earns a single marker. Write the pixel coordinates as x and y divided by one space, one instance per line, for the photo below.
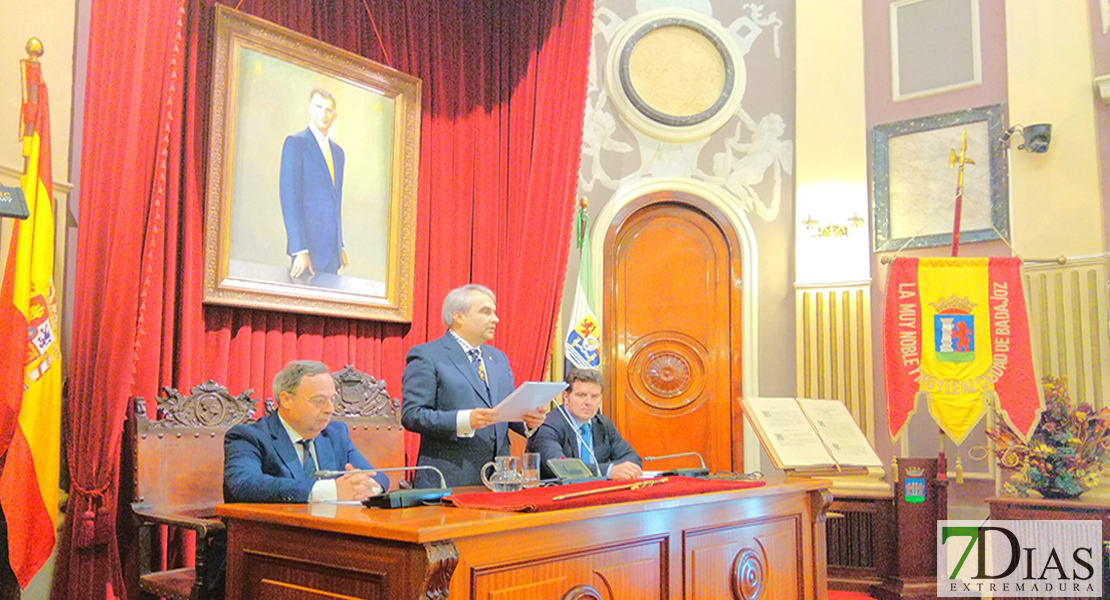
307 463
585 451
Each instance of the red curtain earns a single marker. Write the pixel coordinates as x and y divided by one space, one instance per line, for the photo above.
504 89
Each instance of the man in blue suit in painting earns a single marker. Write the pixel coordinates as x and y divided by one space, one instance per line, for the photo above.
450 387
312 192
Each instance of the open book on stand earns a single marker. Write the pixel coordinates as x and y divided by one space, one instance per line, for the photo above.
804 435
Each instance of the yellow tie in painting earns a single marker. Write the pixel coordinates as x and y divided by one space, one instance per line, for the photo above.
331 167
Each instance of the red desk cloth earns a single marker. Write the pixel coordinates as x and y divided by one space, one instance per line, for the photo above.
540 499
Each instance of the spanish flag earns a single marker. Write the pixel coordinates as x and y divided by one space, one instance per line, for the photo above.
956 336
30 359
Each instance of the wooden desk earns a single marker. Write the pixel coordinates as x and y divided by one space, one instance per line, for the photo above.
766 542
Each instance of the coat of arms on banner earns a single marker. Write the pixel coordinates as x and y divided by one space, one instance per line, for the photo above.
954 328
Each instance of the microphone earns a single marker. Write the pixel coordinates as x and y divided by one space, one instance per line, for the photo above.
398 498
594 467
696 472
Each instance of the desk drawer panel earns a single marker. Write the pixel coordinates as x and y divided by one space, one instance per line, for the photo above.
747 561
614 572
286 578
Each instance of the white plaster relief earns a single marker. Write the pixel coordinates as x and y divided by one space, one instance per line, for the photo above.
744 165
751 146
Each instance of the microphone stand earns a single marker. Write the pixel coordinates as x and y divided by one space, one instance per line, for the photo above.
688 472
398 498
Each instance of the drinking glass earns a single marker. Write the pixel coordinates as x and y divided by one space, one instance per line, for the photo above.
530 469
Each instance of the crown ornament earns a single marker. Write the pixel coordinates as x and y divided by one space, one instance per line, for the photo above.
953 304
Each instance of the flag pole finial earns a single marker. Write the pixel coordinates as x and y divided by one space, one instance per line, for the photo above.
34 48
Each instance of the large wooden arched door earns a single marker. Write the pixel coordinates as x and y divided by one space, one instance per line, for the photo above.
672 330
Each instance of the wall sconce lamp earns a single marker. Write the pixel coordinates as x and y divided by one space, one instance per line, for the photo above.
833 230
1035 137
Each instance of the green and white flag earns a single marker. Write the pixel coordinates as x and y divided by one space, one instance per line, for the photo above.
583 345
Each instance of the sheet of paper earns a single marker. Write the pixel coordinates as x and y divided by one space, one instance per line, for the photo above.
843 437
526 398
788 432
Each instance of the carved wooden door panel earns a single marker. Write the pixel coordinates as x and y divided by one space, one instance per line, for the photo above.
672 330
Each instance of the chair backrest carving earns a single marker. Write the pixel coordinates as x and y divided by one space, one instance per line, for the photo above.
373 418
208 405
360 395
178 459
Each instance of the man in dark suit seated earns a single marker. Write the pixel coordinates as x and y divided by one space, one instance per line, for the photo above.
276 458
577 430
450 387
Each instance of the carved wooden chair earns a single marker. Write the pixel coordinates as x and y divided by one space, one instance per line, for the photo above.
373 418
178 477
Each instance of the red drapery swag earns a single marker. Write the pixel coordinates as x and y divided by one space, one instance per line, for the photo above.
504 90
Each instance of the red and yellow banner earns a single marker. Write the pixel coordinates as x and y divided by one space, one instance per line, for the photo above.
30 358
956 335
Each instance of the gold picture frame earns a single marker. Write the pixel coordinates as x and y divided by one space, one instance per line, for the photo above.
265 203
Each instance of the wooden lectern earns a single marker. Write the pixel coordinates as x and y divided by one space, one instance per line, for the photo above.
920 500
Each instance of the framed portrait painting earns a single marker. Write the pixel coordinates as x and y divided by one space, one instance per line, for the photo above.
312 174
915 181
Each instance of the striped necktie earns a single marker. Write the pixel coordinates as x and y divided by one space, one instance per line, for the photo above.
476 360
308 464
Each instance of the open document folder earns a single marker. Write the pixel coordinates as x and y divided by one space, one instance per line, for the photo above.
526 398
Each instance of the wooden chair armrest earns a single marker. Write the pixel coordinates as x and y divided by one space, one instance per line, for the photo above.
194 520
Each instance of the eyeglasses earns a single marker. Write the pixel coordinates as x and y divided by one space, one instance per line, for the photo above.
318 401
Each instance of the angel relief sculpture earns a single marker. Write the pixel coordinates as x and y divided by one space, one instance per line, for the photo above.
742 166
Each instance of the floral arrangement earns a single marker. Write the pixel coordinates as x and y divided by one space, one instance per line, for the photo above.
1066 453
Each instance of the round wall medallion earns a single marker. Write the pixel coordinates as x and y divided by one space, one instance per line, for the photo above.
667 371
676 71
675 75
748 575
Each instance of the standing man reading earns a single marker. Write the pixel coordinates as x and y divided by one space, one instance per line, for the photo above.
577 430
275 459
450 387
312 192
